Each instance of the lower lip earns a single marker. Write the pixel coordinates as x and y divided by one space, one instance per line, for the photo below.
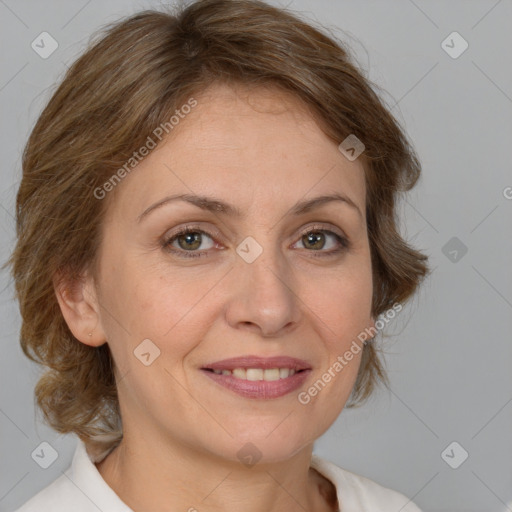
260 388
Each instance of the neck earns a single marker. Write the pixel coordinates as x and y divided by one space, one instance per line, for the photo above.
163 476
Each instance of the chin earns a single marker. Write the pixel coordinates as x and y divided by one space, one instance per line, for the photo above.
269 445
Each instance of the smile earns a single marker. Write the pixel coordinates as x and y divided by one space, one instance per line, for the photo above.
254 374
256 377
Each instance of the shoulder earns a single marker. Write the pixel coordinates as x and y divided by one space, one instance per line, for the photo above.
356 492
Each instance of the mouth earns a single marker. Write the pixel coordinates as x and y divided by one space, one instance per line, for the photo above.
256 374
256 377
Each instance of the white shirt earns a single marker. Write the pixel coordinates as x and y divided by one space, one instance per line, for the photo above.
81 488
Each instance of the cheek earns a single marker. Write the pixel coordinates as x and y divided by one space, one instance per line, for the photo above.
342 303
149 300
174 311
169 305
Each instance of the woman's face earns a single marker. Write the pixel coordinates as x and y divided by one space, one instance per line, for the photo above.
249 284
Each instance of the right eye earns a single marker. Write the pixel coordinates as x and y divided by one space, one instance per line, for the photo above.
189 239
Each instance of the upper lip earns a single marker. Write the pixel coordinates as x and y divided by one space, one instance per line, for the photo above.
259 362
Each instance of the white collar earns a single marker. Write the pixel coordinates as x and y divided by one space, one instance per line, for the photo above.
85 475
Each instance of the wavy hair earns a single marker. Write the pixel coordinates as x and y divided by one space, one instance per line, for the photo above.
133 75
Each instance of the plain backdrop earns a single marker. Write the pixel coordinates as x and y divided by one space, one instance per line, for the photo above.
449 352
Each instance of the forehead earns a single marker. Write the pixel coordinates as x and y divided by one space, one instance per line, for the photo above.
245 145
228 113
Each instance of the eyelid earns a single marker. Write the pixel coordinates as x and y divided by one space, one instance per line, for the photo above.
190 226
320 226
343 240
326 226
214 234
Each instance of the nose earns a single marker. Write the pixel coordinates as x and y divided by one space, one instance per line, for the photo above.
264 298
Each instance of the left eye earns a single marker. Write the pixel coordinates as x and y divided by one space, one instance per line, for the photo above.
316 240
189 240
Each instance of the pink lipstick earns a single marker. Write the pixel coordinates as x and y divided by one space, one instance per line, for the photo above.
259 377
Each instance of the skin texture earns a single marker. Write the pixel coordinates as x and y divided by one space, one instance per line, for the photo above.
261 151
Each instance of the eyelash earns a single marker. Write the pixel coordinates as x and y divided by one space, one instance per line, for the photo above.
166 244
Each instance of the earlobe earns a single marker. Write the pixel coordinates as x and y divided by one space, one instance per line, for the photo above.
80 308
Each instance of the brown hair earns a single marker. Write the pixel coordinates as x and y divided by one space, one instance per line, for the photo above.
129 81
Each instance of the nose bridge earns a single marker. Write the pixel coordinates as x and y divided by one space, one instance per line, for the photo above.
264 263
263 292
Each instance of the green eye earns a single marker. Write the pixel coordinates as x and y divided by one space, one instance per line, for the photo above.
187 241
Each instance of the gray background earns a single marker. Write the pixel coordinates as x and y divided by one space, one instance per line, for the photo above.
449 352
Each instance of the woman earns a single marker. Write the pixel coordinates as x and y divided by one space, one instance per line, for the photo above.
206 237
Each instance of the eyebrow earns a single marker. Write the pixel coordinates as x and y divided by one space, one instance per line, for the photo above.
215 205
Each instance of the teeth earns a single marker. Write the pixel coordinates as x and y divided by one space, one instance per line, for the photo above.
271 374
239 373
284 372
255 374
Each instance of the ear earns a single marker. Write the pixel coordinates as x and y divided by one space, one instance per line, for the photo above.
80 308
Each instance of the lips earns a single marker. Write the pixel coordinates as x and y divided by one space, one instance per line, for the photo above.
257 377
